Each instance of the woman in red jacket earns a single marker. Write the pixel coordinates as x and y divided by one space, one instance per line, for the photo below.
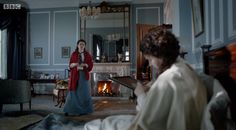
78 100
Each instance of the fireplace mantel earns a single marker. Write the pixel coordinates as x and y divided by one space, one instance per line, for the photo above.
122 69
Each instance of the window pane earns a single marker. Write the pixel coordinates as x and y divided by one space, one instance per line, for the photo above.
3 54
0 53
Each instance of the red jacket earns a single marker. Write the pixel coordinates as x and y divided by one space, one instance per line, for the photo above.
72 83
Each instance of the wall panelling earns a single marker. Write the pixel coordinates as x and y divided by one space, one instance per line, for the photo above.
65 33
231 19
38 37
217 22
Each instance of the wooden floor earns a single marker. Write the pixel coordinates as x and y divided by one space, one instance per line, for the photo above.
104 107
44 105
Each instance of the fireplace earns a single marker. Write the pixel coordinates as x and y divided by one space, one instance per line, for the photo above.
101 85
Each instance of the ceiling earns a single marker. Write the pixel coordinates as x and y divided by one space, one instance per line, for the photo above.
34 4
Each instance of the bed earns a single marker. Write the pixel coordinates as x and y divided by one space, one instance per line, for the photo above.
221 64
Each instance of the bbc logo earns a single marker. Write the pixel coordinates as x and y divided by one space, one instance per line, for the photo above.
11 6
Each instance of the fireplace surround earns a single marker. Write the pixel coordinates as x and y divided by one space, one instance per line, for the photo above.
101 85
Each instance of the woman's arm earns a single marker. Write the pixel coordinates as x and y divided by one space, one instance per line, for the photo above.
88 63
140 92
141 96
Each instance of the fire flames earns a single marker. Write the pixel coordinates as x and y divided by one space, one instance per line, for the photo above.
104 88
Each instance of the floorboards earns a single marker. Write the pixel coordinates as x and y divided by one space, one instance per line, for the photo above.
44 105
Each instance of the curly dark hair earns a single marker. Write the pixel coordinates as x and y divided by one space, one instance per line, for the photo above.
162 44
80 40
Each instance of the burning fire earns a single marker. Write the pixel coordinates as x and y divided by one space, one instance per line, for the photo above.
104 87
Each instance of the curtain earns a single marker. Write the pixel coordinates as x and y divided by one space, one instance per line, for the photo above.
15 23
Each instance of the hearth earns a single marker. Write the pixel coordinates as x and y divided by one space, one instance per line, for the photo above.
100 77
102 86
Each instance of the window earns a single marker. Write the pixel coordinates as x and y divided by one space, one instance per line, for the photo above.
98 53
0 53
3 54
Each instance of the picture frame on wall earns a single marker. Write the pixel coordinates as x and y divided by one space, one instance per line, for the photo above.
38 53
65 52
197 17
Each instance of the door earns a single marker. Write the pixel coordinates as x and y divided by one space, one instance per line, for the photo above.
142 30
141 64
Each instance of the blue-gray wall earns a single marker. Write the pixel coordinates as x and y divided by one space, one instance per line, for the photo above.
219 27
52 29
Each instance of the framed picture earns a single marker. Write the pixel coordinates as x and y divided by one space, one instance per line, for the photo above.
197 16
38 53
65 52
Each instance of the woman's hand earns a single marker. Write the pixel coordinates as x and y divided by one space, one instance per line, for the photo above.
80 68
84 65
139 90
72 65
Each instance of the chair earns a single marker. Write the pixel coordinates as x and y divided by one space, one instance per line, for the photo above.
59 92
15 92
217 112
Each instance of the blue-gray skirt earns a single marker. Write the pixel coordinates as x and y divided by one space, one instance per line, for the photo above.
79 102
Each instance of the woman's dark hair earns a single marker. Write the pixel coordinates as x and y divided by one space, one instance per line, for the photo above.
162 44
80 40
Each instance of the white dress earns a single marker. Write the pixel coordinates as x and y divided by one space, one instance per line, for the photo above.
175 101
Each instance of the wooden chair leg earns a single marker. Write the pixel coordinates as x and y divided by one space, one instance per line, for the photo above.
58 103
30 105
1 108
58 96
21 107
